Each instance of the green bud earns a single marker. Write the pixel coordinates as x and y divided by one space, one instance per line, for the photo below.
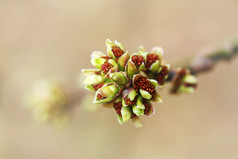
189 84
136 63
113 62
97 54
131 69
145 94
155 66
184 82
162 75
143 54
126 113
110 45
97 62
146 87
153 59
105 94
139 108
137 111
116 51
94 79
132 94
119 44
168 67
129 94
122 61
119 78
139 103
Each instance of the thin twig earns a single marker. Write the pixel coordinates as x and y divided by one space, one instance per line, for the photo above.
206 62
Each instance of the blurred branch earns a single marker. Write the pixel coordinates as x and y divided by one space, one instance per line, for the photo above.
207 61
76 97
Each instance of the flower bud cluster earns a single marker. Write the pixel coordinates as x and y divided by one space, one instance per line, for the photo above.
128 82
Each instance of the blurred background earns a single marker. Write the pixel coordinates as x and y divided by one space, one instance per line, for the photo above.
44 37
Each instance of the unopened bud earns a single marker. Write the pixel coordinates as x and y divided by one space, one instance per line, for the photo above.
105 94
119 78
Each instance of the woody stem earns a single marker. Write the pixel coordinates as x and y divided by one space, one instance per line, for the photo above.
206 62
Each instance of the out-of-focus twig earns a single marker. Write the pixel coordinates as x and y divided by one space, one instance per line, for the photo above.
207 61
76 96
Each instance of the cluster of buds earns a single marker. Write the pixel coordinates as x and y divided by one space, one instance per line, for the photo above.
48 100
127 82
183 82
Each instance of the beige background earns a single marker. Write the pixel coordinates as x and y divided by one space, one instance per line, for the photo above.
43 37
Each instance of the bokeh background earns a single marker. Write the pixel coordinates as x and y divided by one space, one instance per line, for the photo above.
43 37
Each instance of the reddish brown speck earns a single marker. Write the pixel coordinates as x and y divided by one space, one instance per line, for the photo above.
117 51
144 84
107 57
161 75
97 86
98 72
137 60
194 85
128 102
117 107
100 97
151 58
148 108
106 67
133 115
178 80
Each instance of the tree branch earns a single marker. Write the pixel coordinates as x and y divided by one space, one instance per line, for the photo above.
206 62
